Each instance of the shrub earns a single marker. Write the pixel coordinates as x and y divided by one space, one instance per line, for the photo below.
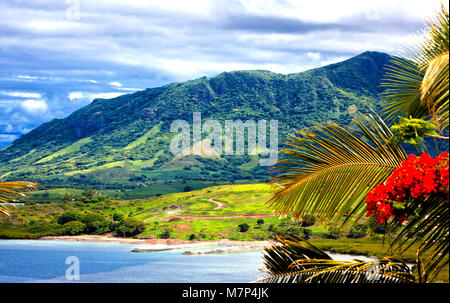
358 231
96 223
73 228
260 222
43 228
68 216
130 227
118 217
243 227
188 188
308 220
166 234
333 233
307 233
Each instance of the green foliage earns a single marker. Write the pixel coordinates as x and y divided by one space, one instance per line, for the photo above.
308 220
68 216
333 233
166 234
95 223
118 217
73 228
188 188
358 231
412 131
130 227
243 227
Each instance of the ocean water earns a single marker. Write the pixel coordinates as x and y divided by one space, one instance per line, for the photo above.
32 261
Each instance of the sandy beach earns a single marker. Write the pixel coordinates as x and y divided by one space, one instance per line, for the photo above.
152 245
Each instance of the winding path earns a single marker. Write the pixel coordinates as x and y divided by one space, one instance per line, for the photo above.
219 205
218 217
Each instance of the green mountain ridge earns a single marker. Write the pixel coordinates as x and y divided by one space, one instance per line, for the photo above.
112 142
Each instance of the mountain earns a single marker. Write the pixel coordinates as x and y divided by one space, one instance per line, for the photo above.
124 141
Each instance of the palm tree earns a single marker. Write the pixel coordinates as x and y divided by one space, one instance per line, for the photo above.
10 191
330 169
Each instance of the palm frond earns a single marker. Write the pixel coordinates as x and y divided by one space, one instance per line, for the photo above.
429 228
10 191
294 260
330 169
402 93
434 89
417 86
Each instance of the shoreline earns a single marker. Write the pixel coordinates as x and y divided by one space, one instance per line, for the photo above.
155 245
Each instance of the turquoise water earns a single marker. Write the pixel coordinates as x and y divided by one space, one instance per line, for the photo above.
45 261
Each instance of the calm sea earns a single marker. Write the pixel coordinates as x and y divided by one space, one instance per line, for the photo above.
45 261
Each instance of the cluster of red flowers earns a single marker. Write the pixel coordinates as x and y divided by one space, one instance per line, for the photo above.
414 180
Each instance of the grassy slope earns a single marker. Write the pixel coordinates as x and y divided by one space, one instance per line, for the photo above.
67 150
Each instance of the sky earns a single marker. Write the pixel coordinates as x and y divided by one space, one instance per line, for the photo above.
56 56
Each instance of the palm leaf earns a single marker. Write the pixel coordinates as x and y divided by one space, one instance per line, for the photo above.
329 170
430 229
10 191
434 89
402 94
294 260
417 87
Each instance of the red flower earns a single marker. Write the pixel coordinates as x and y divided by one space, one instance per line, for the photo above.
414 180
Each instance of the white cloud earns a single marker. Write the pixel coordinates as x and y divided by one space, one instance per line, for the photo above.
33 106
116 84
75 95
26 77
313 55
92 96
22 94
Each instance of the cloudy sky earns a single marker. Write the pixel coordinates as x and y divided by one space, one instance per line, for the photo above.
58 55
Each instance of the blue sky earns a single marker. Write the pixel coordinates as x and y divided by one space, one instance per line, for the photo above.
58 55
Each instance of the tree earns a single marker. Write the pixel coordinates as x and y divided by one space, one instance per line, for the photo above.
130 227
260 222
73 228
118 217
10 191
68 216
243 227
188 188
67 198
167 234
95 223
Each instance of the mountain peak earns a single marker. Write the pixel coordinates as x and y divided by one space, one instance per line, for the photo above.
133 131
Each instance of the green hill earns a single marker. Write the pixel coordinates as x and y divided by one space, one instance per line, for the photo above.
123 142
